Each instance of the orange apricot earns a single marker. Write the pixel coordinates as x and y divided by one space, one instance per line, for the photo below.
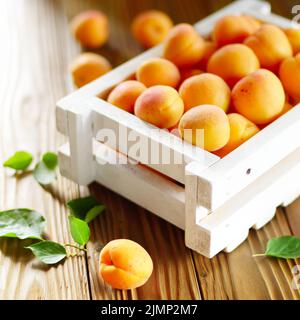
233 62
259 96
206 126
234 29
209 49
241 130
151 27
158 71
87 67
286 108
205 88
293 34
184 46
160 106
271 46
125 94
90 28
124 264
289 73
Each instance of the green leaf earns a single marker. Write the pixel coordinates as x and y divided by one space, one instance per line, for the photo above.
80 230
21 160
50 159
48 252
94 212
287 247
22 224
81 206
43 175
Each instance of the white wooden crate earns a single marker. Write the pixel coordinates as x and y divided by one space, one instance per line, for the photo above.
216 201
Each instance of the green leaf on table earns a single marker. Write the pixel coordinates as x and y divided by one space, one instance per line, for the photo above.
21 160
48 252
94 212
43 175
86 208
50 159
45 171
287 247
22 224
80 230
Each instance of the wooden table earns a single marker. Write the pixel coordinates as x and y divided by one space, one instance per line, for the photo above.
36 51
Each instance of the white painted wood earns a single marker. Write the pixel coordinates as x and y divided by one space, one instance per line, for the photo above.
135 182
253 206
241 167
222 198
129 130
81 144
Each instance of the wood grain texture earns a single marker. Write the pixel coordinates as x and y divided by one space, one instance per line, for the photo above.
34 66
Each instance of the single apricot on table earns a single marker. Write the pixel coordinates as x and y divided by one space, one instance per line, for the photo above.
206 88
233 62
158 71
205 126
125 94
289 73
87 67
241 130
151 27
259 96
271 46
90 28
293 35
184 46
234 29
125 265
160 106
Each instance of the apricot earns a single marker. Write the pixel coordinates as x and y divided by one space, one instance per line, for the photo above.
209 49
214 123
87 67
124 264
293 34
259 96
271 46
188 73
160 106
90 28
234 29
184 46
233 62
289 73
205 88
151 27
241 129
158 71
125 94
286 108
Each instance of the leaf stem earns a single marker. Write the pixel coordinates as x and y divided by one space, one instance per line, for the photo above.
74 246
259 255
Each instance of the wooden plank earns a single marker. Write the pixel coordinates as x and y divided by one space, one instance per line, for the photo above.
135 182
174 275
32 60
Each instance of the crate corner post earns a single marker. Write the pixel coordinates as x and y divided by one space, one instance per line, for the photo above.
76 160
196 237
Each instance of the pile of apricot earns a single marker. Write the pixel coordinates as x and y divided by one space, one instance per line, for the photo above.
229 85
